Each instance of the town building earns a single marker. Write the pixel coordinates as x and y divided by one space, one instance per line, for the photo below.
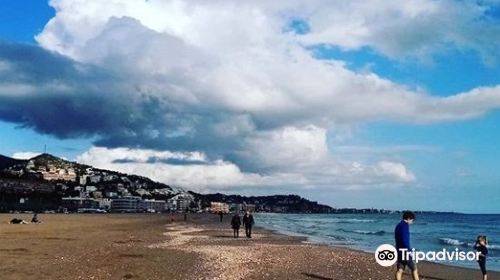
74 204
83 180
179 202
52 173
153 206
127 204
249 207
217 207
235 207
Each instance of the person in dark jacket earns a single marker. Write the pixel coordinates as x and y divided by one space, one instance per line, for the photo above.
402 238
480 246
248 223
35 219
235 224
221 216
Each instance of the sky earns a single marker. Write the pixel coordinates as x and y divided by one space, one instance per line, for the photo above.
386 104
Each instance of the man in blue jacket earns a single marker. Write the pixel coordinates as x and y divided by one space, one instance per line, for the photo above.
402 237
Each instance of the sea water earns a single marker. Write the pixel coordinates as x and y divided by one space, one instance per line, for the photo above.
430 232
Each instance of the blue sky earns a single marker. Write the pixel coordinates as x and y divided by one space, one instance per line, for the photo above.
439 163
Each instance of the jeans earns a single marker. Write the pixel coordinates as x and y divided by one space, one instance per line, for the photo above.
248 231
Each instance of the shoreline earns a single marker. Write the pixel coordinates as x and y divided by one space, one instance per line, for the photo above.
330 262
312 242
150 246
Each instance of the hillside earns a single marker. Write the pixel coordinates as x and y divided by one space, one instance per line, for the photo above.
271 203
42 181
6 162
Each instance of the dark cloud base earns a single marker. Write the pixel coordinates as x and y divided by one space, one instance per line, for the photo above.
67 99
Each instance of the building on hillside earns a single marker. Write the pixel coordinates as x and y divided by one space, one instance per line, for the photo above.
110 194
249 207
94 179
83 180
179 202
30 165
52 173
96 194
217 207
109 177
235 207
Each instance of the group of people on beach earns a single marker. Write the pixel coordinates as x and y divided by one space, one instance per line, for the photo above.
247 222
34 220
402 238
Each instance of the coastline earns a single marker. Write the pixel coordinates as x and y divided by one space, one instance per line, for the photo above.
292 258
360 250
150 246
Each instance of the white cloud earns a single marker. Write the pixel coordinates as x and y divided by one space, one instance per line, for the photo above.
223 78
302 167
25 155
237 58
290 147
395 169
404 28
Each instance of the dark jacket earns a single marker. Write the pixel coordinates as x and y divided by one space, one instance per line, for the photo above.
402 236
248 220
236 222
483 250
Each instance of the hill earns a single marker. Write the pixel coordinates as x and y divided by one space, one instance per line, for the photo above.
270 203
42 181
6 162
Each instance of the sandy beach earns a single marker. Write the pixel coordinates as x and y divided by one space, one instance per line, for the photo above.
149 246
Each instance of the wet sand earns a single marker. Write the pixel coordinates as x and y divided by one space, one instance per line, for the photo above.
149 246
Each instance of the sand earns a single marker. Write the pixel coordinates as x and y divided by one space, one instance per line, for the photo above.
149 246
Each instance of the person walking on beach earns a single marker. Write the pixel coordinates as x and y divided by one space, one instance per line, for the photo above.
235 224
248 223
172 216
35 219
480 246
402 237
221 216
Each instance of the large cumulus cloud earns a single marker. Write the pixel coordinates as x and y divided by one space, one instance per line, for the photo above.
229 80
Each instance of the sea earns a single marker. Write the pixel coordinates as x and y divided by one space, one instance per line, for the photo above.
365 232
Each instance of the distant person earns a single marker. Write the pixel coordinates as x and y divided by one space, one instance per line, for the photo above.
480 246
17 221
402 237
35 219
221 216
248 223
185 216
172 216
235 224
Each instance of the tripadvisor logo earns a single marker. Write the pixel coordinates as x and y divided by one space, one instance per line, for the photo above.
386 255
